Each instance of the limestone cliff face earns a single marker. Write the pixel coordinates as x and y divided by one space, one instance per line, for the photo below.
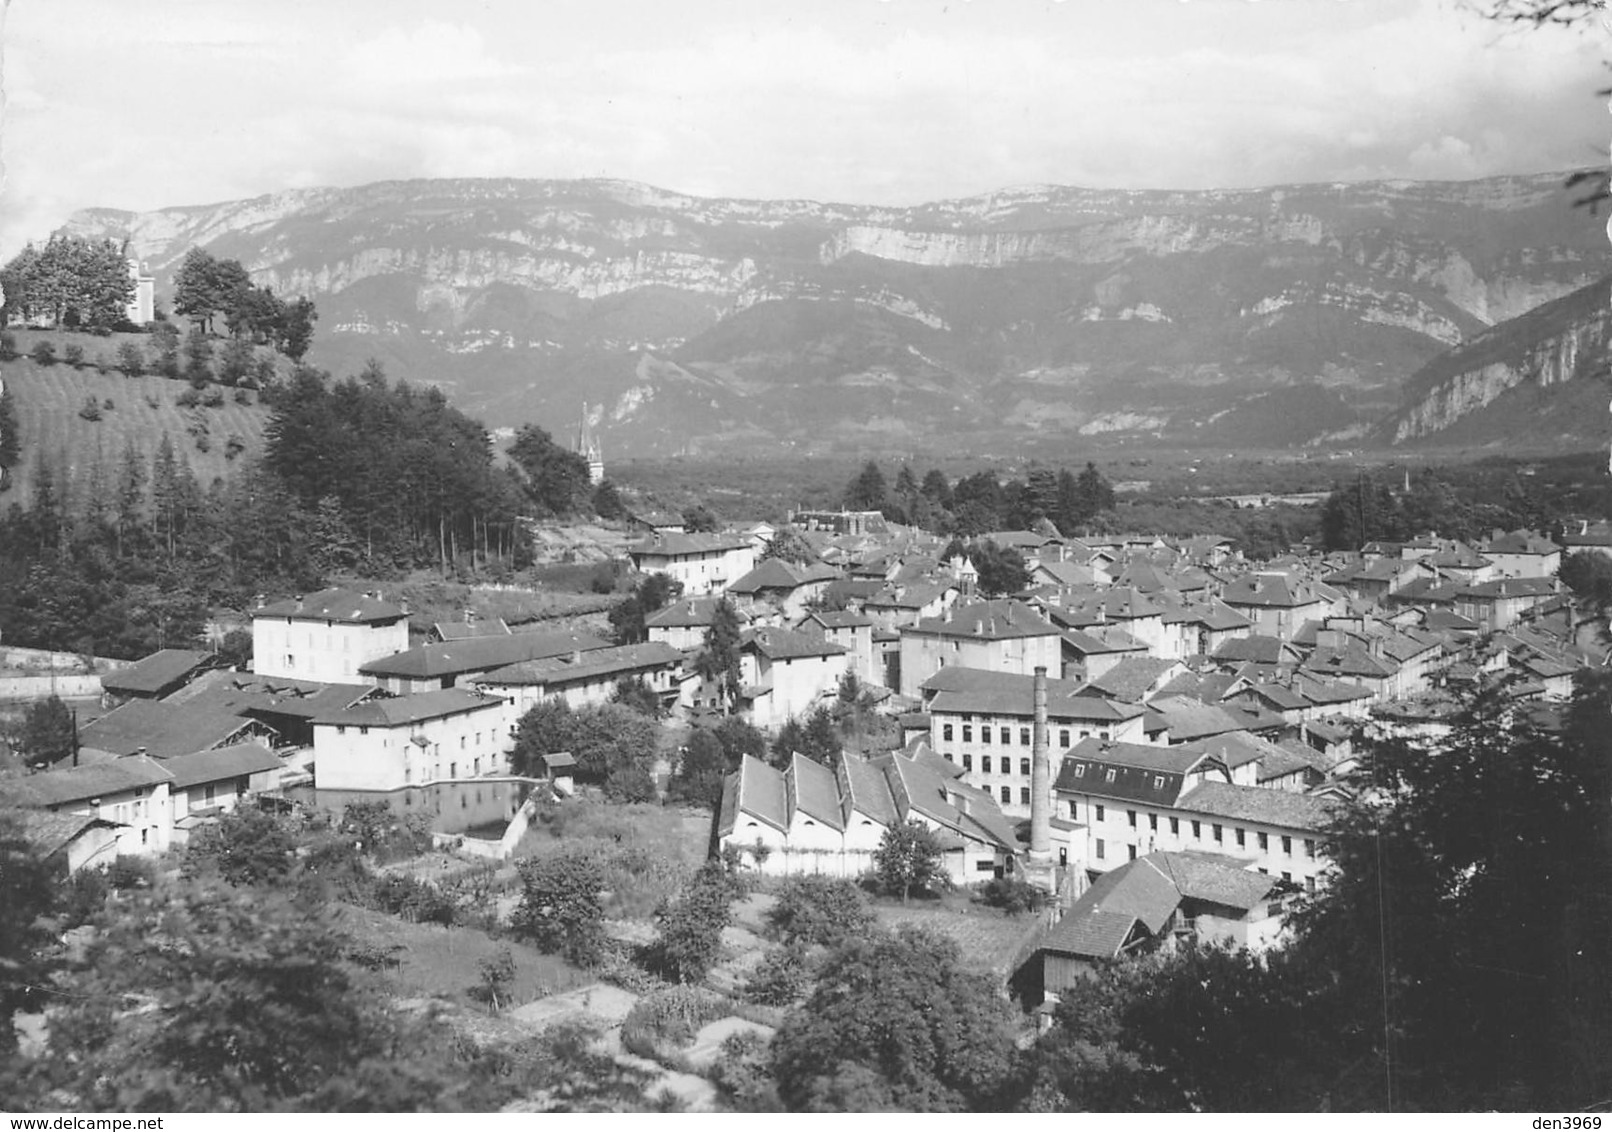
526 294
1562 342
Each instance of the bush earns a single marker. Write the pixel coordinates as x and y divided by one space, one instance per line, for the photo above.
234 446
214 398
742 1073
819 910
561 909
127 873
665 1021
245 846
188 399
401 895
781 978
153 401
73 354
44 352
108 405
1012 894
8 346
91 409
242 397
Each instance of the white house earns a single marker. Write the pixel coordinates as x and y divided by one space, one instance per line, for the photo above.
584 679
1001 636
327 636
784 673
387 744
704 563
854 633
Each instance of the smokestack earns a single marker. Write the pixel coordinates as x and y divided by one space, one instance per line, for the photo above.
1040 779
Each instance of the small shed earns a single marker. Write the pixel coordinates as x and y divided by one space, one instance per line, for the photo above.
561 765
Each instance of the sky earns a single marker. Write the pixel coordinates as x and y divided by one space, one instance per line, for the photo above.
141 104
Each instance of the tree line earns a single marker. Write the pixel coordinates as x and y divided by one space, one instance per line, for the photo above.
71 282
982 502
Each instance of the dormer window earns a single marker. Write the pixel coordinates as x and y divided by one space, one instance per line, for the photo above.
1109 777
1080 770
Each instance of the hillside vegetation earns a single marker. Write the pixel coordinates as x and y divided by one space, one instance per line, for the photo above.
49 400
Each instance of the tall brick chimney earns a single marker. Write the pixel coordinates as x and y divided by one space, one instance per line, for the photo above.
1040 780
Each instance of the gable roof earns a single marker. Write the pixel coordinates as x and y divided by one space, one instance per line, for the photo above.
666 544
1132 772
478 654
1132 678
159 671
400 711
52 832
352 607
83 783
761 793
582 666
1281 808
243 693
777 574
977 690
216 765
1000 620
1271 591
162 727
867 790
814 791
786 644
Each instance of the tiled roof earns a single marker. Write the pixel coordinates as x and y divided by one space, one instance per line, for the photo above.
162 728
1188 719
348 606
816 793
761 792
400 711
988 620
1510 587
867 790
664 544
1254 647
1132 678
838 620
217 765
1127 771
1280 808
478 654
777 574
786 644
593 665
82 783
243 693
155 673
1225 881
50 832
1009 693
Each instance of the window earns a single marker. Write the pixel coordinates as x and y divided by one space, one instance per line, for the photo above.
1175 826
1264 843
1007 794
1158 782
1063 737
985 764
1309 847
1007 737
1080 770
1287 846
968 762
1024 795
1131 849
1099 812
1024 737
207 795
968 733
1024 767
1197 830
1130 818
985 734
1153 822
1100 849
363 729
1242 838
1085 734
1288 877
985 866
341 729
1109 777
461 742
1218 833
946 732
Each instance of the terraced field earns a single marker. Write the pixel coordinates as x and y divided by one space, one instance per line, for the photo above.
49 400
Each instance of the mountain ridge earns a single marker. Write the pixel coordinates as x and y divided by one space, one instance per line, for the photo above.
1135 315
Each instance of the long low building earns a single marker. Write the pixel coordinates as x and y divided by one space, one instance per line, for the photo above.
433 667
810 819
583 679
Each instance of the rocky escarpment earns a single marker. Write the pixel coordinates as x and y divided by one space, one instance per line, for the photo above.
1161 312
1560 342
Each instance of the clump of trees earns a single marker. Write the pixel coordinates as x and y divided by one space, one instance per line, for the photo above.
982 502
71 282
206 288
614 745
